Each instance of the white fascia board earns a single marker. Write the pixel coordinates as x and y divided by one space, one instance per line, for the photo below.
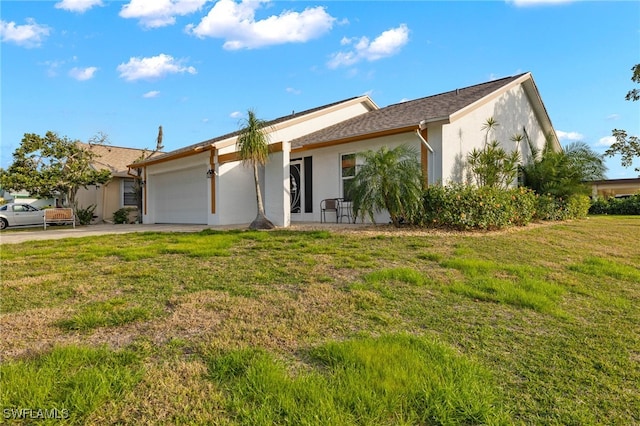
531 90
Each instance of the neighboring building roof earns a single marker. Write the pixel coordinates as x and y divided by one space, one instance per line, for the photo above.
615 181
115 158
406 114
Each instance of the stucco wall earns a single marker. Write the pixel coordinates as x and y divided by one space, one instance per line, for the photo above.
512 111
107 199
327 181
235 190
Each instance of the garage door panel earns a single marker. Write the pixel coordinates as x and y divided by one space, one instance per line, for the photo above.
181 196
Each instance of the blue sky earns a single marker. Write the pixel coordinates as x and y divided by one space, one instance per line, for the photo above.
79 67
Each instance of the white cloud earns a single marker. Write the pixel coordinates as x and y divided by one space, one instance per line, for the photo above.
53 67
79 6
293 91
606 141
569 136
31 34
159 13
236 23
235 114
613 117
83 74
151 94
153 68
386 44
524 3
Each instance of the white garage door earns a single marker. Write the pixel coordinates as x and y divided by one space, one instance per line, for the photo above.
181 196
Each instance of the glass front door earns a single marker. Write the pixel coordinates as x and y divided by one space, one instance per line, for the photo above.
295 186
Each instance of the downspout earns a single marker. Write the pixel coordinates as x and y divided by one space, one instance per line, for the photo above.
424 141
422 126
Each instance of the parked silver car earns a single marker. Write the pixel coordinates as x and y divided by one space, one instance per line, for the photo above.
18 214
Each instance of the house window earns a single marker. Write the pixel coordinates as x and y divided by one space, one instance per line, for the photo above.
348 172
129 192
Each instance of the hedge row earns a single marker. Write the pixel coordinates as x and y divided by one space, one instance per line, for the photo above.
628 206
465 207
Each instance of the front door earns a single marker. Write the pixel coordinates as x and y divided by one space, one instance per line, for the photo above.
295 186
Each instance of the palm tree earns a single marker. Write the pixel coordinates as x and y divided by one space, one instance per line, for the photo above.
492 165
563 173
389 179
253 147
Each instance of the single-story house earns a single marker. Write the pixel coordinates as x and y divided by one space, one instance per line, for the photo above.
313 153
119 191
608 188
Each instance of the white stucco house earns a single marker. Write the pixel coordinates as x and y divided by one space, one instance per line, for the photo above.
313 153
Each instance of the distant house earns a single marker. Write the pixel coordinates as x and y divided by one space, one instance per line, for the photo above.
119 191
313 153
615 187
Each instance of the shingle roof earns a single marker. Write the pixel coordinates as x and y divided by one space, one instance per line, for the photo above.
114 158
235 133
405 114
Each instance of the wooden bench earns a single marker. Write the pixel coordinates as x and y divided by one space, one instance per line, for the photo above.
59 215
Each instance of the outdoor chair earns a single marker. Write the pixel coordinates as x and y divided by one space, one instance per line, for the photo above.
329 205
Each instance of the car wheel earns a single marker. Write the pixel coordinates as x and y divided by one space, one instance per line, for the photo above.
3 223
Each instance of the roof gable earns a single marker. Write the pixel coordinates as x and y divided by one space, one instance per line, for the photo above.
406 114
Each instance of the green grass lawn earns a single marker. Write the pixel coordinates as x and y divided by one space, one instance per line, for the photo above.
539 325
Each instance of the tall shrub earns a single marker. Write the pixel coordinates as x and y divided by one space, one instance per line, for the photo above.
492 165
391 180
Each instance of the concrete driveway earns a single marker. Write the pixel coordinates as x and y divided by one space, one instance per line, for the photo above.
20 235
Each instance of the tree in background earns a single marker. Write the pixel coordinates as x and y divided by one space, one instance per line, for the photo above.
53 166
627 146
138 184
492 165
563 173
253 147
389 179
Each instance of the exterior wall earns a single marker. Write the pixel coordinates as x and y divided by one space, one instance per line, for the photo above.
312 124
615 188
306 124
89 196
235 192
277 202
107 199
327 181
512 111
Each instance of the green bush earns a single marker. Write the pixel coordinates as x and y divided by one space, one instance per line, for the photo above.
121 216
616 206
85 215
599 206
467 207
557 208
578 206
